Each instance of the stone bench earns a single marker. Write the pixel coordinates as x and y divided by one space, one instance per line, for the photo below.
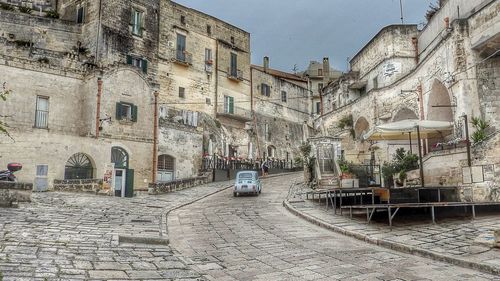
11 193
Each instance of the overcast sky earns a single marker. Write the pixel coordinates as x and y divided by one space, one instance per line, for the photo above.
297 31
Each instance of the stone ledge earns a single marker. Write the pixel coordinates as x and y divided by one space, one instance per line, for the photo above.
167 187
11 193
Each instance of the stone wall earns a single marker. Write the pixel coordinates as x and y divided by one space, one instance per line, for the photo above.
11 193
89 185
166 187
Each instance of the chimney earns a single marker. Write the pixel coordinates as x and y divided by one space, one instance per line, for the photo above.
326 69
266 64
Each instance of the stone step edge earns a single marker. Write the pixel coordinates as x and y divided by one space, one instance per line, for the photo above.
393 245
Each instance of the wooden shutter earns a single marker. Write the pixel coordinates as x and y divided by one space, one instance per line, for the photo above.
145 66
129 59
129 183
234 65
118 111
132 16
134 113
231 105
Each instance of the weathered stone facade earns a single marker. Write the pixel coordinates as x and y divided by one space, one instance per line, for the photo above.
83 92
439 73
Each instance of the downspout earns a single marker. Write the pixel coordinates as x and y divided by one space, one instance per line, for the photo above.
216 76
321 102
155 139
98 108
98 33
422 114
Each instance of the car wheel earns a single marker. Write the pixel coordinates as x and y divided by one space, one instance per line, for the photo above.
260 191
235 194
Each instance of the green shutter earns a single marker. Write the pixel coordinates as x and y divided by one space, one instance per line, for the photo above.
231 105
129 183
132 16
129 59
118 111
134 113
145 66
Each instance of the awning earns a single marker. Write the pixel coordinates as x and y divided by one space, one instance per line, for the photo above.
405 129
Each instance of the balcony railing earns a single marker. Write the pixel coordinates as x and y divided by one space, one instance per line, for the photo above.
237 113
234 74
183 57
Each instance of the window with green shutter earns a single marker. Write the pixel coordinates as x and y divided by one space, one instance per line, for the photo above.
126 111
228 104
138 62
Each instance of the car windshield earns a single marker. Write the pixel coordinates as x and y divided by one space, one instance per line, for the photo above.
245 176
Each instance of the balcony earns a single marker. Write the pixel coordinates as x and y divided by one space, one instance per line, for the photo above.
234 74
183 58
238 113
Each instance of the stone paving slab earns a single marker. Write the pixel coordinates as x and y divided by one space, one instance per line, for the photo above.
71 236
450 240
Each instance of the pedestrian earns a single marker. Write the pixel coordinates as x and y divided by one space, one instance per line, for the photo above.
265 168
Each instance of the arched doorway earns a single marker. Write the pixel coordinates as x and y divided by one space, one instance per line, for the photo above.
271 151
119 157
439 104
79 166
439 108
361 127
404 114
166 168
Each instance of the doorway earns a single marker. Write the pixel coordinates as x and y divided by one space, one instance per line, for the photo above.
120 180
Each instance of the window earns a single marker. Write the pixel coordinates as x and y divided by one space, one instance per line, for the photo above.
183 20
234 65
232 40
209 29
320 87
265 90
181 47
267 133
163 112
320 72
119 157
228 104
126 111
375 82
208 56
182 92
136 22
78 166
80 14
138 62
283 96
42 112
318 108
208 101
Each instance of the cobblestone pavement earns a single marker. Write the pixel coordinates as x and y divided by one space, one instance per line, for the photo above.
457 239
72 236
255 238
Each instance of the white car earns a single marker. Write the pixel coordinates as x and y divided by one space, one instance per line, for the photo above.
247 182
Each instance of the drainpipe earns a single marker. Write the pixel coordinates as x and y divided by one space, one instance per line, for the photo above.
422 114
98 108
216 76
155 139
414 41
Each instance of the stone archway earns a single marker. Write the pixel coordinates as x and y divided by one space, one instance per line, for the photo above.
439 103
361 127
404 114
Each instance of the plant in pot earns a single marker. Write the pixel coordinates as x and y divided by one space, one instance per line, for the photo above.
395 170
345 169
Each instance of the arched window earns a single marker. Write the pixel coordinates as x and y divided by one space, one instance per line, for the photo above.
271 151
166 165
120 157
166 162
79 166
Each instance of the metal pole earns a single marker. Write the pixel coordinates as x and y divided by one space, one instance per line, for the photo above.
411 149
401 8
98 107
155 139
420 156
466 120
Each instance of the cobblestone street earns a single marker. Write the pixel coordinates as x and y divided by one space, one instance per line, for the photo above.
72 236
255 238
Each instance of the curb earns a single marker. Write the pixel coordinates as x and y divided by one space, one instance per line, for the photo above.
393 245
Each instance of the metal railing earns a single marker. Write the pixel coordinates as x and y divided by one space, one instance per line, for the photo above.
234 111
41 119
183 57
234 73
231 163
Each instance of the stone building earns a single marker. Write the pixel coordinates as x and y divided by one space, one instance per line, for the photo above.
90 82
319 75
445 72
281 112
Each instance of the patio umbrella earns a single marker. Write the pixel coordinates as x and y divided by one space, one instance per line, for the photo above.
405 129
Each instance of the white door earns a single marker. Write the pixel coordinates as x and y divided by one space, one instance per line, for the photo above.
119 182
